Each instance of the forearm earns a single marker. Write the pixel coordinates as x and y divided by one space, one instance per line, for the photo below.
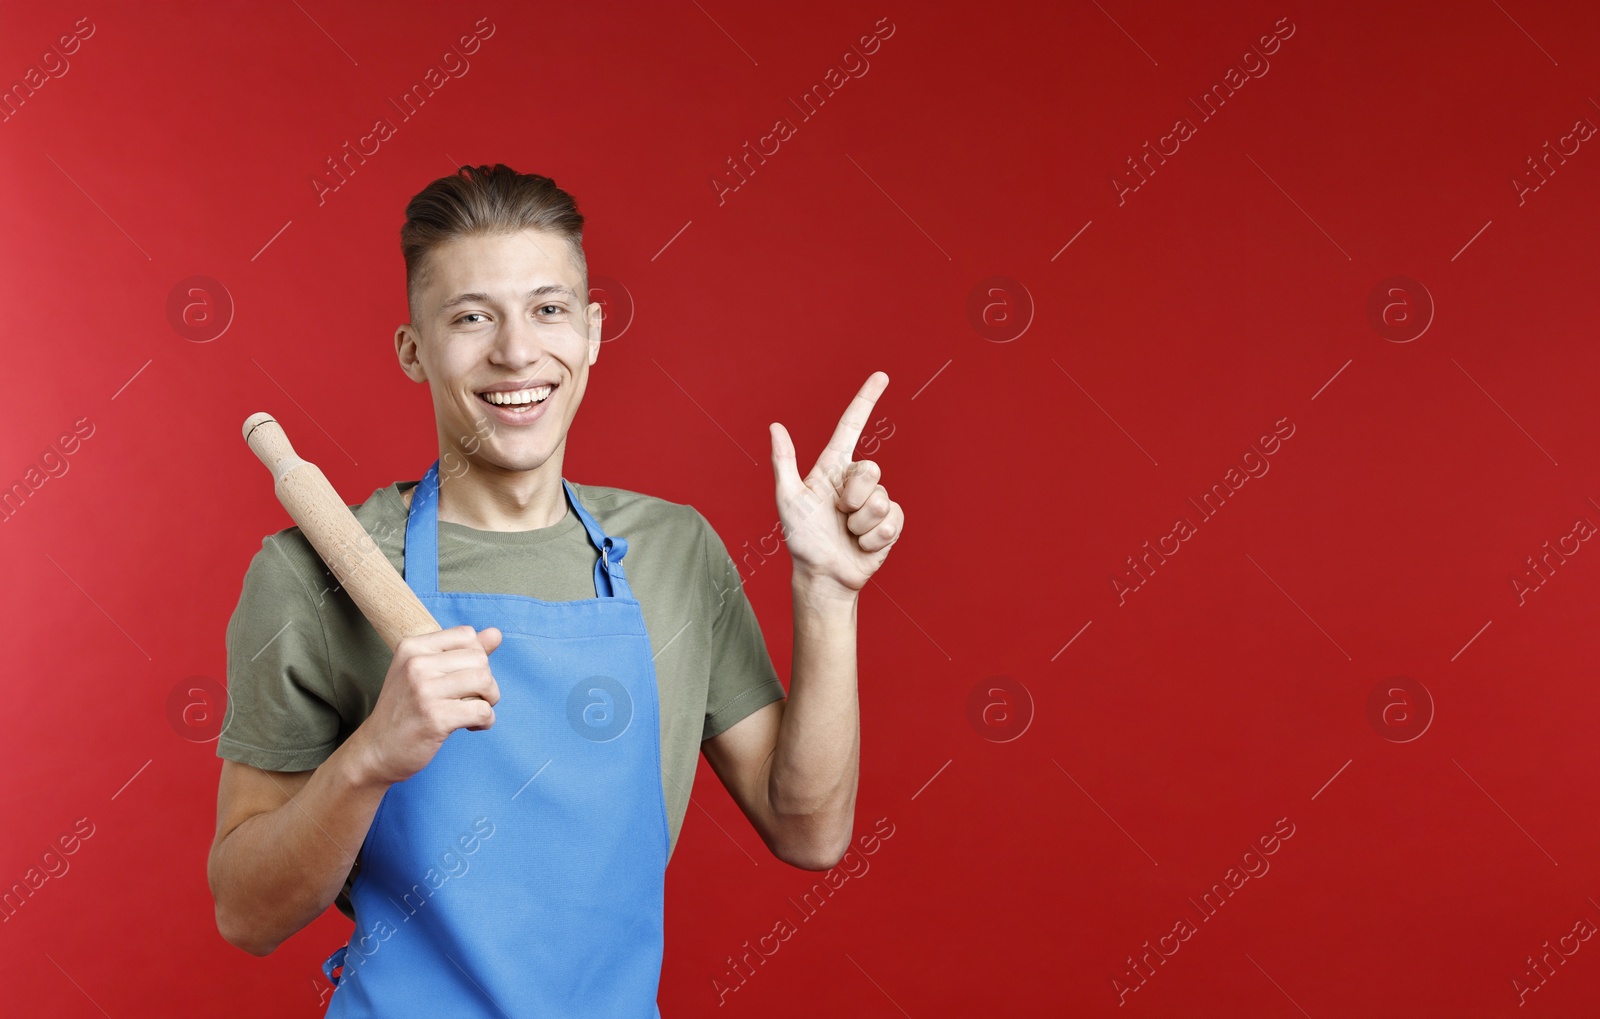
815 764
281 869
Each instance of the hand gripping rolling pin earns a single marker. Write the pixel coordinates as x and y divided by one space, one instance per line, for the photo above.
377 588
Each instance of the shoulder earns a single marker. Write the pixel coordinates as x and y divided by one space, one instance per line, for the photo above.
620 510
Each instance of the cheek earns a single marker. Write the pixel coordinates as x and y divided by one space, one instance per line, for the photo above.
579 383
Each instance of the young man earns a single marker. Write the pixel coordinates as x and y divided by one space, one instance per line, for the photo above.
495 803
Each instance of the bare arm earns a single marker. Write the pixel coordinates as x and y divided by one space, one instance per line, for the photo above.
793 768
285 843
793 765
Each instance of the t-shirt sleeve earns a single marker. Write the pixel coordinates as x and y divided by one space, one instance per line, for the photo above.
742 676
281 714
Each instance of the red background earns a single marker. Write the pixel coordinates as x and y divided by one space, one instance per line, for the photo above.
1224 294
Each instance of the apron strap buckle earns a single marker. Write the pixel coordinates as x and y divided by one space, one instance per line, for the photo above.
333 962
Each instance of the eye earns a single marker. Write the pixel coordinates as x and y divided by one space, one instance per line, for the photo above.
468 315
555 307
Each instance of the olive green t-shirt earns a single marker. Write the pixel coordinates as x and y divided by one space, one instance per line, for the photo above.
305 666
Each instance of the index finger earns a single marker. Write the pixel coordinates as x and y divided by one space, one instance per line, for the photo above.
843 442
450 638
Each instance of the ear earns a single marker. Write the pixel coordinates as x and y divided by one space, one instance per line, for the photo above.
596 317
406 343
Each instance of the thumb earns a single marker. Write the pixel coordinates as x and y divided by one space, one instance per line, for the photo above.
783 465
489 637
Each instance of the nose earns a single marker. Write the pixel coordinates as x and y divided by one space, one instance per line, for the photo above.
517 344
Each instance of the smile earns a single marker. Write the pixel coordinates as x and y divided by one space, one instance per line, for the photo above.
518 398
518 406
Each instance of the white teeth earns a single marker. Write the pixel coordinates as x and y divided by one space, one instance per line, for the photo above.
521 396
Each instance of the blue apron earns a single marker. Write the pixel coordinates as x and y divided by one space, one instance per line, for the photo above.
521 872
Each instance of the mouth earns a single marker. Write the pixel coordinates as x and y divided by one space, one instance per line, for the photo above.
518 406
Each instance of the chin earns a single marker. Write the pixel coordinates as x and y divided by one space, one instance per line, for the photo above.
521 460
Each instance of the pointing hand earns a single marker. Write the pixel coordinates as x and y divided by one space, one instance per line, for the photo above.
838 520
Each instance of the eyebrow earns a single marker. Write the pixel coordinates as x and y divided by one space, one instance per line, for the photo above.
549 289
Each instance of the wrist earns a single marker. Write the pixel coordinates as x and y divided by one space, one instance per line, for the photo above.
821 593
357 766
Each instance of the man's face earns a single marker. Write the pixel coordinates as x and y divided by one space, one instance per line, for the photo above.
499 312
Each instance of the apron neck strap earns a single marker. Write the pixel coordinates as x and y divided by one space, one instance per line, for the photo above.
422 542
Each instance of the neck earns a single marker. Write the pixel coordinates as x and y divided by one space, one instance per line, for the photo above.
488 498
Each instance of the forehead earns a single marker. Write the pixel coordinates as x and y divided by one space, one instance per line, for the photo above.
502 264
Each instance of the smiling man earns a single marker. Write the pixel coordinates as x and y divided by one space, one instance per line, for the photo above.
495 803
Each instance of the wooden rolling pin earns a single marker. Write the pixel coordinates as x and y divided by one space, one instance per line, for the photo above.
374 584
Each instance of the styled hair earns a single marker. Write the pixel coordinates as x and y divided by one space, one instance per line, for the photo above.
478 200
